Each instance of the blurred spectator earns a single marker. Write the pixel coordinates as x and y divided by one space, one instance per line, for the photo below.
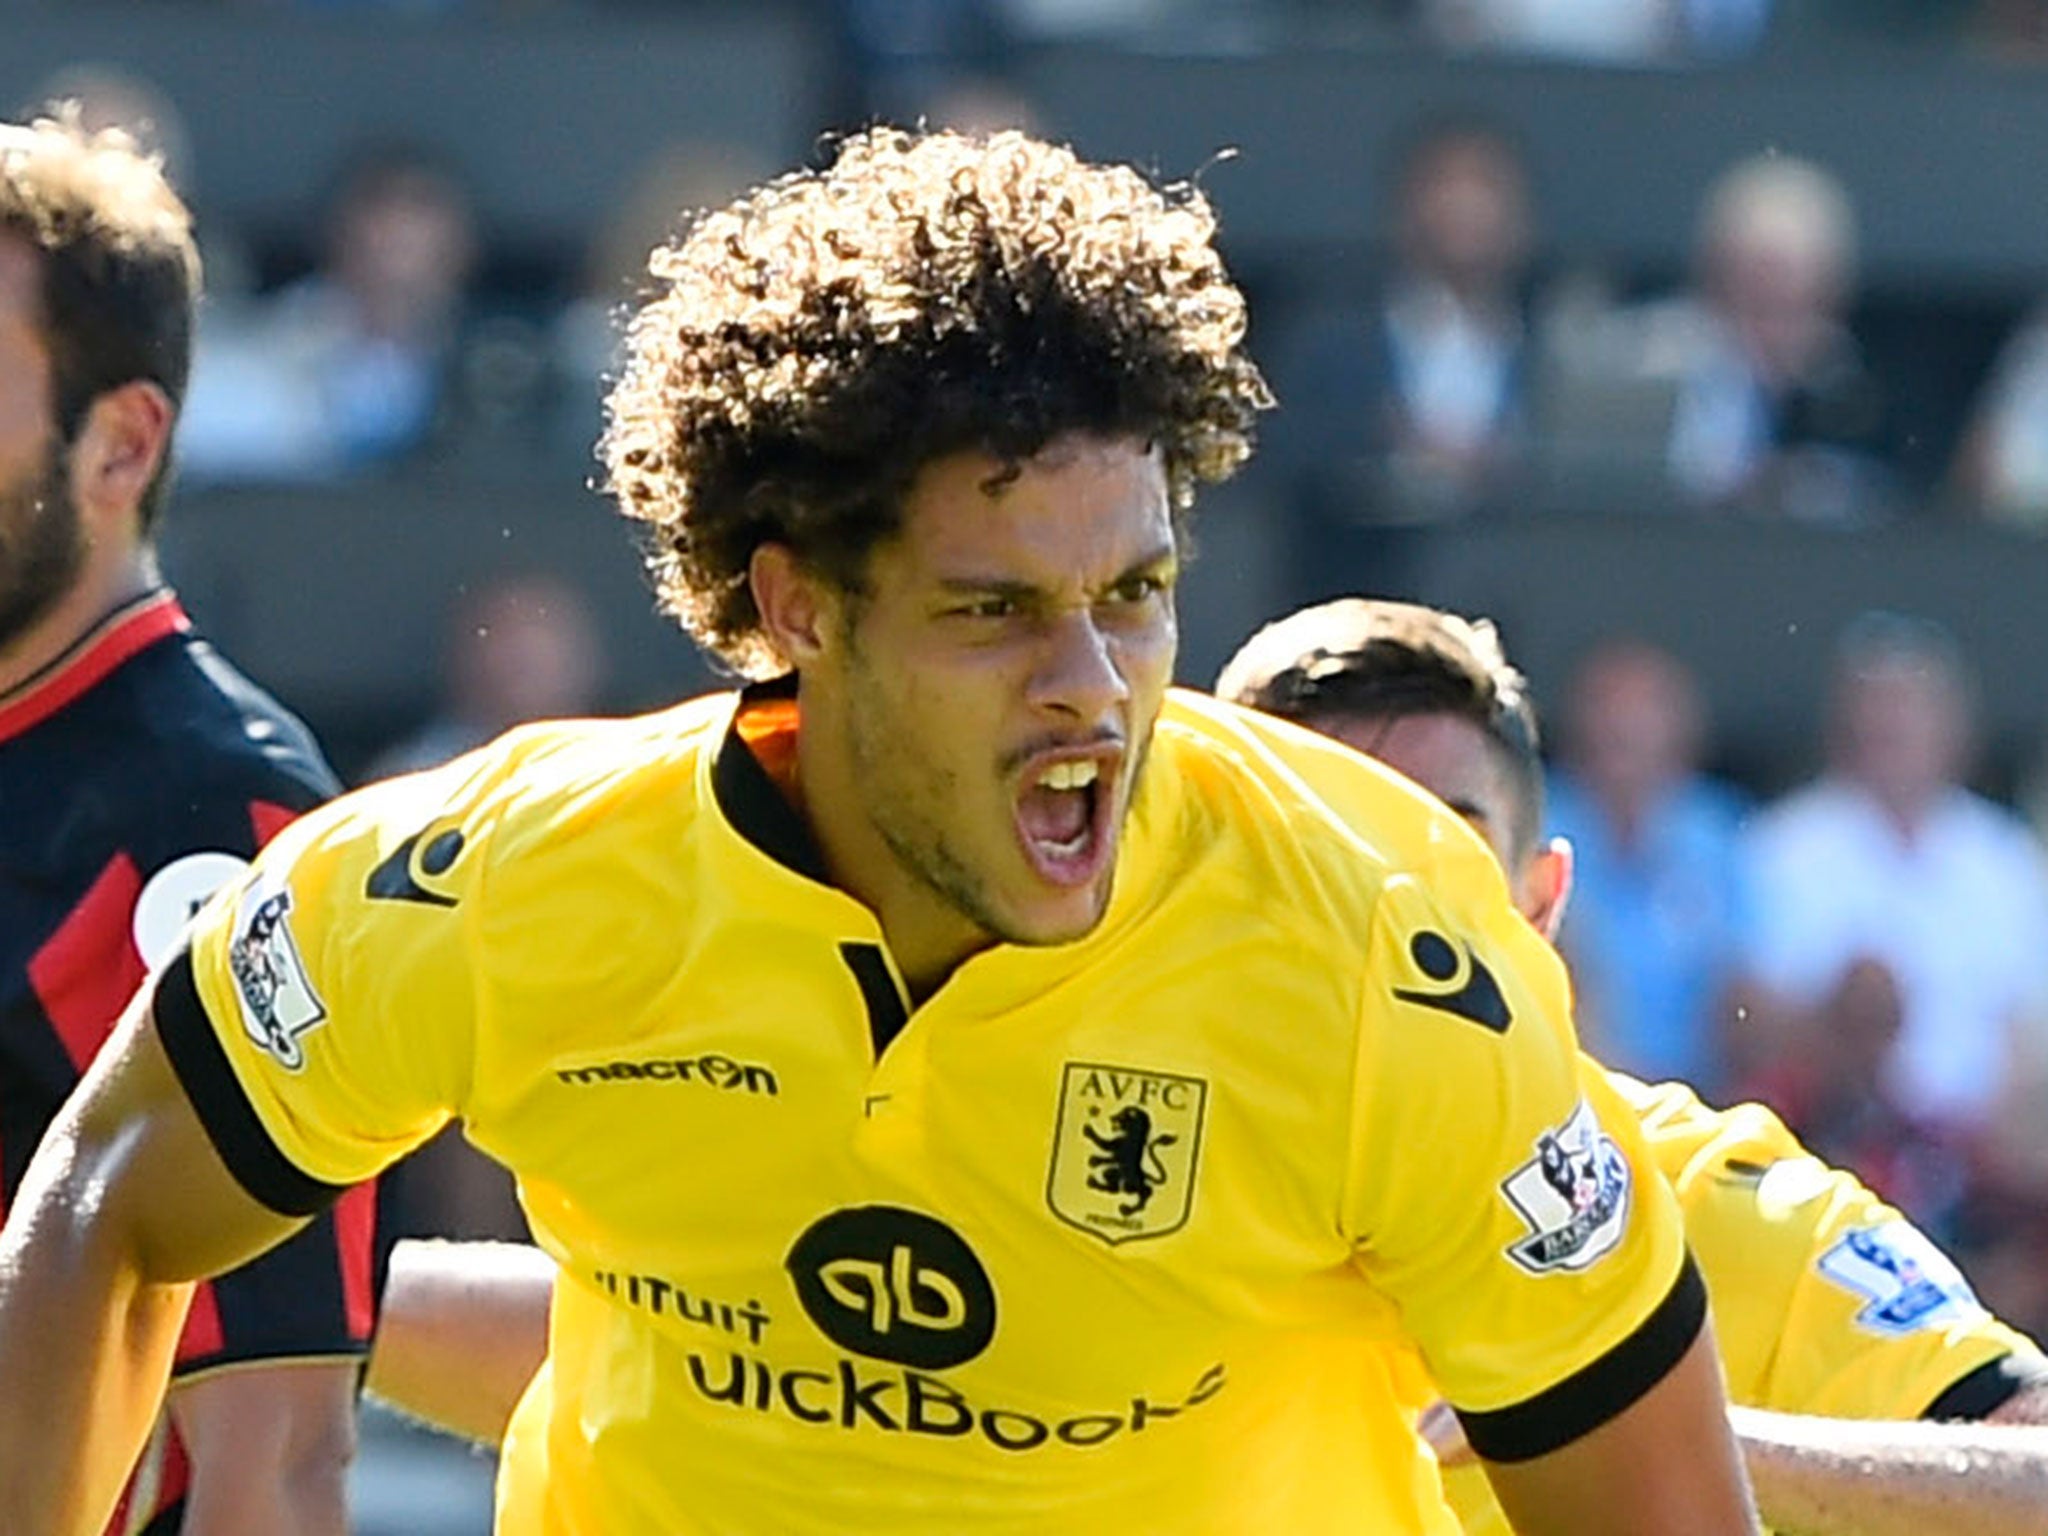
678 182
1652 925
1888 858
1775 406
348 367
519 648
1830 1077
980 104
2016 30
2001 468
1602 31
1771 407
113 95
1414 408
899 52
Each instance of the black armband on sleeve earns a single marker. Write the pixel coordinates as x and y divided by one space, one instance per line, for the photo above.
229 1119
1982 1392
1590 1397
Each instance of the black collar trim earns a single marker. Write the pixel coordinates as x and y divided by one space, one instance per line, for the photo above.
753 803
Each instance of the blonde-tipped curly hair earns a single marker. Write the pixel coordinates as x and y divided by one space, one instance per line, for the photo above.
811 347
119 274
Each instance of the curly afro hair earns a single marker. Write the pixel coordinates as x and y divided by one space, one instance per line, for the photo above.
811 347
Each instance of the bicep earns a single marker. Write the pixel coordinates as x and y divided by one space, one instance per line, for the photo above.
129 1144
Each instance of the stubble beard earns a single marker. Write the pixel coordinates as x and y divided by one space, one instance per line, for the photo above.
42 547
894 787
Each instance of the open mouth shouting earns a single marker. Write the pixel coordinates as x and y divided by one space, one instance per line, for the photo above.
1065 811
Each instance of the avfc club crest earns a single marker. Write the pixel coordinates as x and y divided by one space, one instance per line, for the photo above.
1124 1150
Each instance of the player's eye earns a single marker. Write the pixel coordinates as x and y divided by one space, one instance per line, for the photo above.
1137 589
991 607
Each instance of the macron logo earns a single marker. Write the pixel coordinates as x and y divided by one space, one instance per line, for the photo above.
712 1071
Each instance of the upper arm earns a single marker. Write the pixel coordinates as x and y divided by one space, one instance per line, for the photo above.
129 1147
1501 1193
2029 1405
1878 1321
2011 1389
1622 1479
321 1018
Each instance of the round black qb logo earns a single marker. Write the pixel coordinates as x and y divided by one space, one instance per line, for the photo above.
894 1285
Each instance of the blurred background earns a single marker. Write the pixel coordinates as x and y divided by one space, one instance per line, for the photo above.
1702 344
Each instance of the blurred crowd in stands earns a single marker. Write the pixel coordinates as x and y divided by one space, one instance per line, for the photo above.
1468 382
948 32
1863 952
1866 951
1471 371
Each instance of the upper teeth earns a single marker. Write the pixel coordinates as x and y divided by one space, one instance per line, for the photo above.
1076 775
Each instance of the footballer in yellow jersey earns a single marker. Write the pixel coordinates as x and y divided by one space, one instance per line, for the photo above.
1109 1233
1827 1301
964 1086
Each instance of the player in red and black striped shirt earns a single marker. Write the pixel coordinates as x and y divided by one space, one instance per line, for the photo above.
138 770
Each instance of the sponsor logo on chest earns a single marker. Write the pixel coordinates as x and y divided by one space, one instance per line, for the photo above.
712 1071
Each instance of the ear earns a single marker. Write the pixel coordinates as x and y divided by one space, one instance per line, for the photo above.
1547 886
119 448
797 606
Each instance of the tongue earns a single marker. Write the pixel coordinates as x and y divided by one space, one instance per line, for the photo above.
1053 815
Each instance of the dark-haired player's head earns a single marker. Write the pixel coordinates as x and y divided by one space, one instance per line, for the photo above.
99 278
1433 696
919 426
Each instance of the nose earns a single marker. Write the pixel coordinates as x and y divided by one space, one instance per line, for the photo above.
1079 674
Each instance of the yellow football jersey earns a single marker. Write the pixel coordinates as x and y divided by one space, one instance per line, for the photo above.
1123 1234
1826 1300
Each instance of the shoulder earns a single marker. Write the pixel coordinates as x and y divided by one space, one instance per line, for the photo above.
555 789
1820 812
1693 1142
1312 826
2001 833
1263 775
206 729
1714 802
175 755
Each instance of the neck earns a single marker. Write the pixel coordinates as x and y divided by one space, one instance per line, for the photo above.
1628 810
926 935
104 585
1905 811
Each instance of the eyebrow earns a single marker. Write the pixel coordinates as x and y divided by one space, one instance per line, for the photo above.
994 586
